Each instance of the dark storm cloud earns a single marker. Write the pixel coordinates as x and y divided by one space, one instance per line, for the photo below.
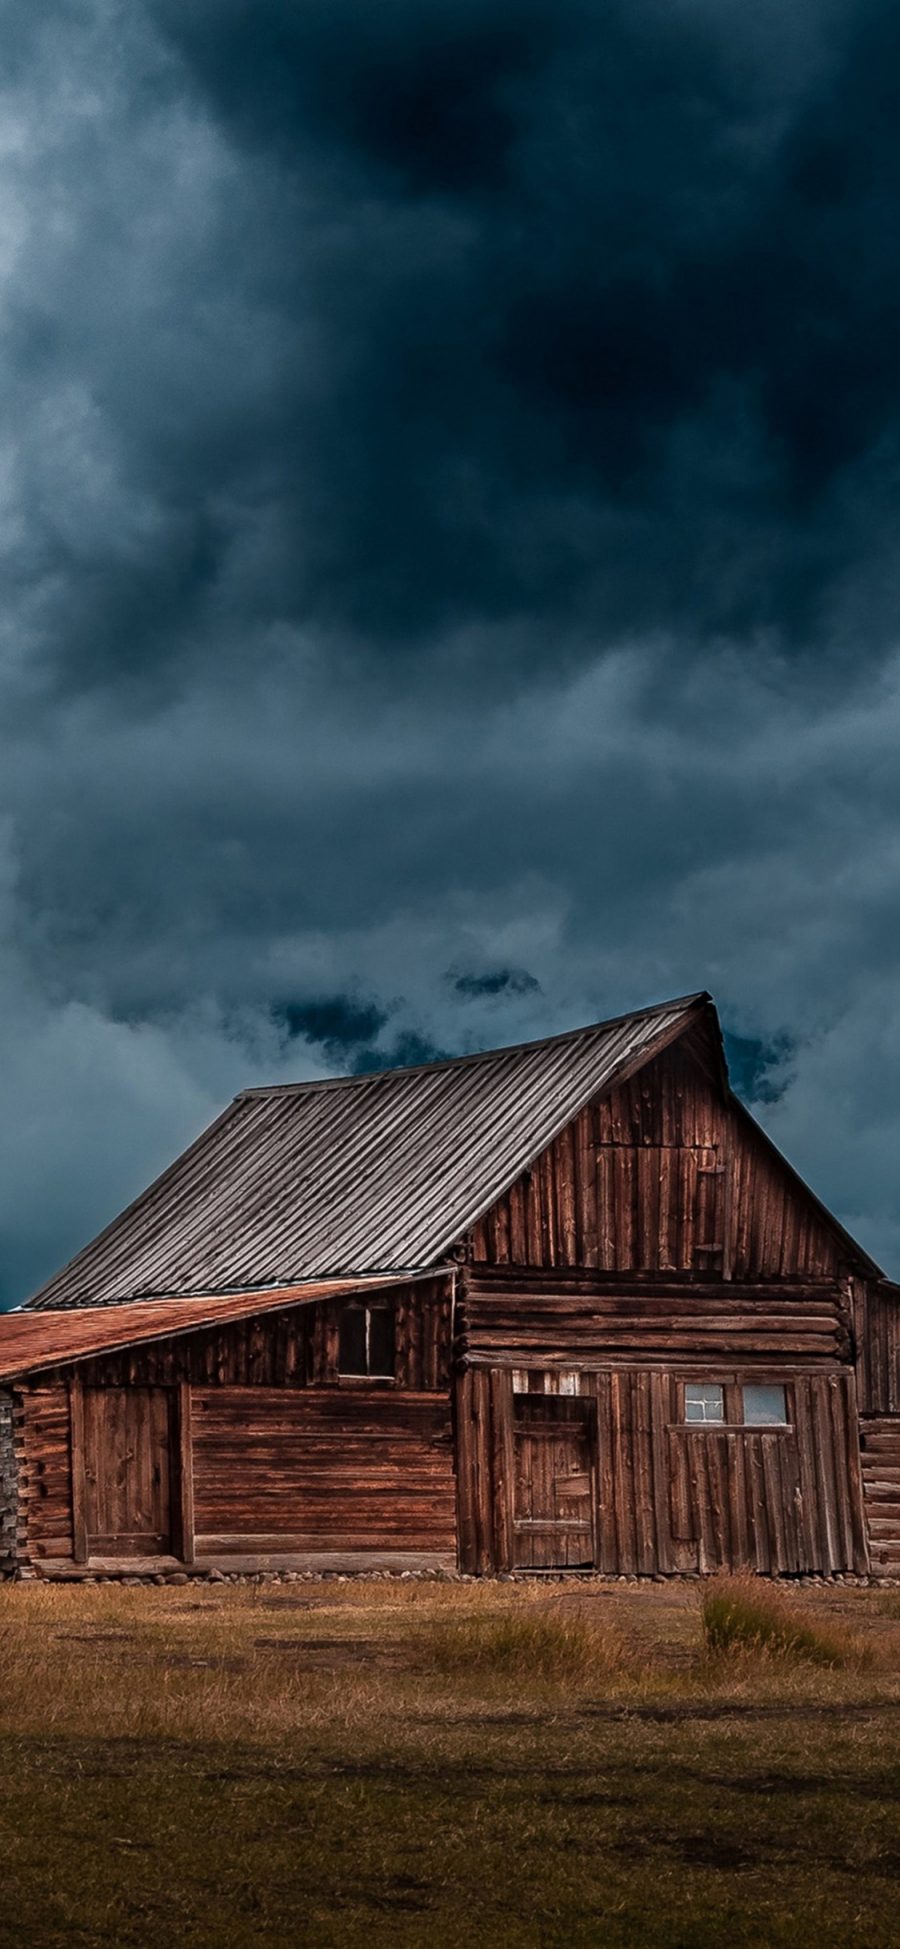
349 1034
494 312
448 527
500 981
337 1023
425 95
757 1068
611 304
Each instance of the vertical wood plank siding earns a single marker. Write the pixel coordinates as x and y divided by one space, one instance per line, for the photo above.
672 1497
660 1176
295 1347
877 1322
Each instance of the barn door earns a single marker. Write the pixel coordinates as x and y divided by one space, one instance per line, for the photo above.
128 1445
553 1503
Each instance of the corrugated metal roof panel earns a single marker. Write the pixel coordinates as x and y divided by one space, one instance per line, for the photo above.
31 1341
357 1175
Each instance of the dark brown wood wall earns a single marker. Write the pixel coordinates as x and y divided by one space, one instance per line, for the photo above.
877 1323
532 1316
294 1347
45 1476
364 1469
880 1441
662 1175
397 1446
671 1497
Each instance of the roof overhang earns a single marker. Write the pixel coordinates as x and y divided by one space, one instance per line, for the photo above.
33 1342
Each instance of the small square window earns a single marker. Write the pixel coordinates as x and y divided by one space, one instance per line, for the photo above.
704 1402
764 1407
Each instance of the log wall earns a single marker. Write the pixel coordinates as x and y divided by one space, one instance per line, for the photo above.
42 1428
880 1442
528 1315
662 1175
9 1484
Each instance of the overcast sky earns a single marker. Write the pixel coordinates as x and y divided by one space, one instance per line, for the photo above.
449 528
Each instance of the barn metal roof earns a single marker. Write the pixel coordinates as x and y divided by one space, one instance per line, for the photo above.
360 1174
33 1341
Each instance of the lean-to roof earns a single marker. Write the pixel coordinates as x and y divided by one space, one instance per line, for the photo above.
32 1341
362 1174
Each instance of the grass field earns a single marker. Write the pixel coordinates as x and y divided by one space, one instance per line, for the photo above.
388 1763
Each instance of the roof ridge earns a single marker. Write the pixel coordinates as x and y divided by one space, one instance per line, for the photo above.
362 1077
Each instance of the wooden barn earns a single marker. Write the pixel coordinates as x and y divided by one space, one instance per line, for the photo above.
558 1306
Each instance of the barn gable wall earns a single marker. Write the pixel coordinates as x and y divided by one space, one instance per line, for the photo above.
659 1240
661 1175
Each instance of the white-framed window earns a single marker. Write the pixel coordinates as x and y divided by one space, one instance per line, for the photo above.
764 1407
704 1402
366 1342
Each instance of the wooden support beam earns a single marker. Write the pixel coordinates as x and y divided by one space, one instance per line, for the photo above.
185 1474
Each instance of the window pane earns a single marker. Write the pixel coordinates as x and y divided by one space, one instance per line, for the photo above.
764 1406
381 1340
352 1347
703 1402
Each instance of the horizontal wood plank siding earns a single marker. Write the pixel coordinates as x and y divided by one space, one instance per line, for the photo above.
327 1469
880 1443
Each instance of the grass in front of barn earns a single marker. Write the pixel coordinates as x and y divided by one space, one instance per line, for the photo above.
406 1763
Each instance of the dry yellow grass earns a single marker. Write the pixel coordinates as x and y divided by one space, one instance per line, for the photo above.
249 1661
389 1763
747 1617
